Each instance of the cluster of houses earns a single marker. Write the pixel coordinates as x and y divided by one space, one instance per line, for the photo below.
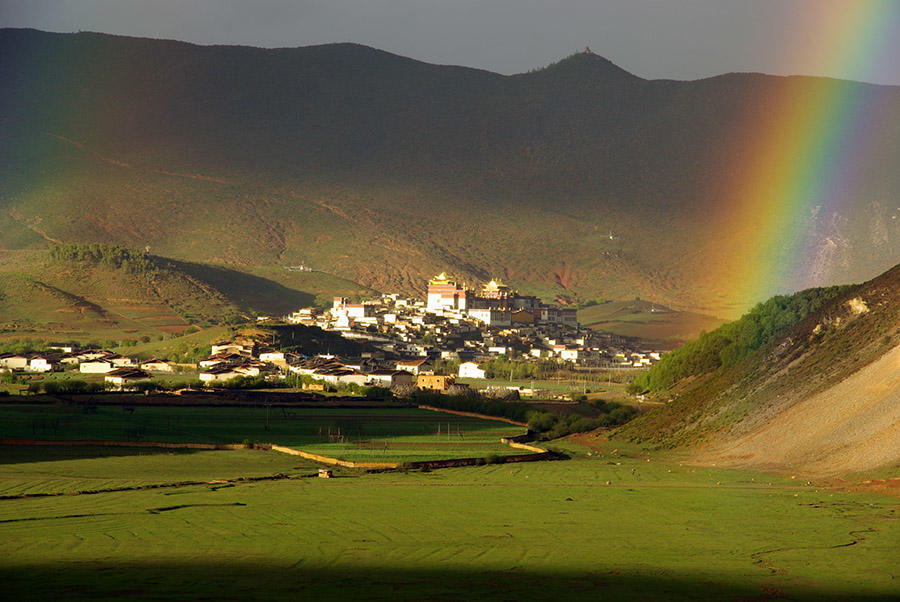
118 370
454 323
464 324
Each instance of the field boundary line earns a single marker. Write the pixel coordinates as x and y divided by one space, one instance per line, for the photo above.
538 453
516 445
473 415
329 460
22 496
212 446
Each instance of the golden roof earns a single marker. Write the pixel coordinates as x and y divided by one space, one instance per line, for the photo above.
440 279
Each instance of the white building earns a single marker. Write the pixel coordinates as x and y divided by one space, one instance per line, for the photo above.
470 370
570 354
360 311
218 374
444 294
96 367
122 377
40 363
157 365
273 357
231 347
14 361
416 366
491 317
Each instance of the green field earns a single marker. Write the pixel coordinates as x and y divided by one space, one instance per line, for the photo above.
374 435
655 324
30 470
547 530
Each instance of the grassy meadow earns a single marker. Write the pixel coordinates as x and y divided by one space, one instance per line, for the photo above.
376 435
607 523
655 324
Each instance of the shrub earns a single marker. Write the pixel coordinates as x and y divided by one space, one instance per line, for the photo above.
375 392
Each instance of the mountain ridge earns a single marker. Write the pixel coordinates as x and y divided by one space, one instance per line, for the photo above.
386 170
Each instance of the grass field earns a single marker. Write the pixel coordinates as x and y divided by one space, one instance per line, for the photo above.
554 530
654 324
29 470
376 435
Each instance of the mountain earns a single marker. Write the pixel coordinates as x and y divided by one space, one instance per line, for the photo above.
819 395
579 180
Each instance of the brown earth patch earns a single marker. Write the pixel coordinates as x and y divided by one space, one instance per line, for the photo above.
853 426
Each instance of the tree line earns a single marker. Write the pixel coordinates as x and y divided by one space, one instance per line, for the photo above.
114 256
732 342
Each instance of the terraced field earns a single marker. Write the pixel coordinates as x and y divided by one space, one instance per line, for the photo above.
600 526
374 435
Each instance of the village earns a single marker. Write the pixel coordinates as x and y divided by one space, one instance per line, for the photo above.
453 339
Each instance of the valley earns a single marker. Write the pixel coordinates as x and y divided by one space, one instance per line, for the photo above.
328 322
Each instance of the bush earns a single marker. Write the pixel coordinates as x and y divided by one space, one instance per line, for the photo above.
70 387
375 392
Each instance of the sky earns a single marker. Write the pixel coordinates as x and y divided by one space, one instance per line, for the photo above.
673 39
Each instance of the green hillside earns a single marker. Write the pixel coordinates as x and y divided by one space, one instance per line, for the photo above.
97 293
579 179
782 365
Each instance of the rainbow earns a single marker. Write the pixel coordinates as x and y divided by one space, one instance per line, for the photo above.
803 154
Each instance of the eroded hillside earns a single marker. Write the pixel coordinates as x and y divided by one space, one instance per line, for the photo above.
824 397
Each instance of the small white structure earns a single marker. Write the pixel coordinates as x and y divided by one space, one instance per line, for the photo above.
120 361
122 377
63 347
470 370
40 363
95 367
218 374
571 354
340 376
273 357
14 361
416 366
157 365
358 311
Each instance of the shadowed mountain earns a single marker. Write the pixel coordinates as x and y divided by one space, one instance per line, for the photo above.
578 179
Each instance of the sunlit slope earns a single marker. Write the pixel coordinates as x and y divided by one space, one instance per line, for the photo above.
43 296
822 397
580 177
852 426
